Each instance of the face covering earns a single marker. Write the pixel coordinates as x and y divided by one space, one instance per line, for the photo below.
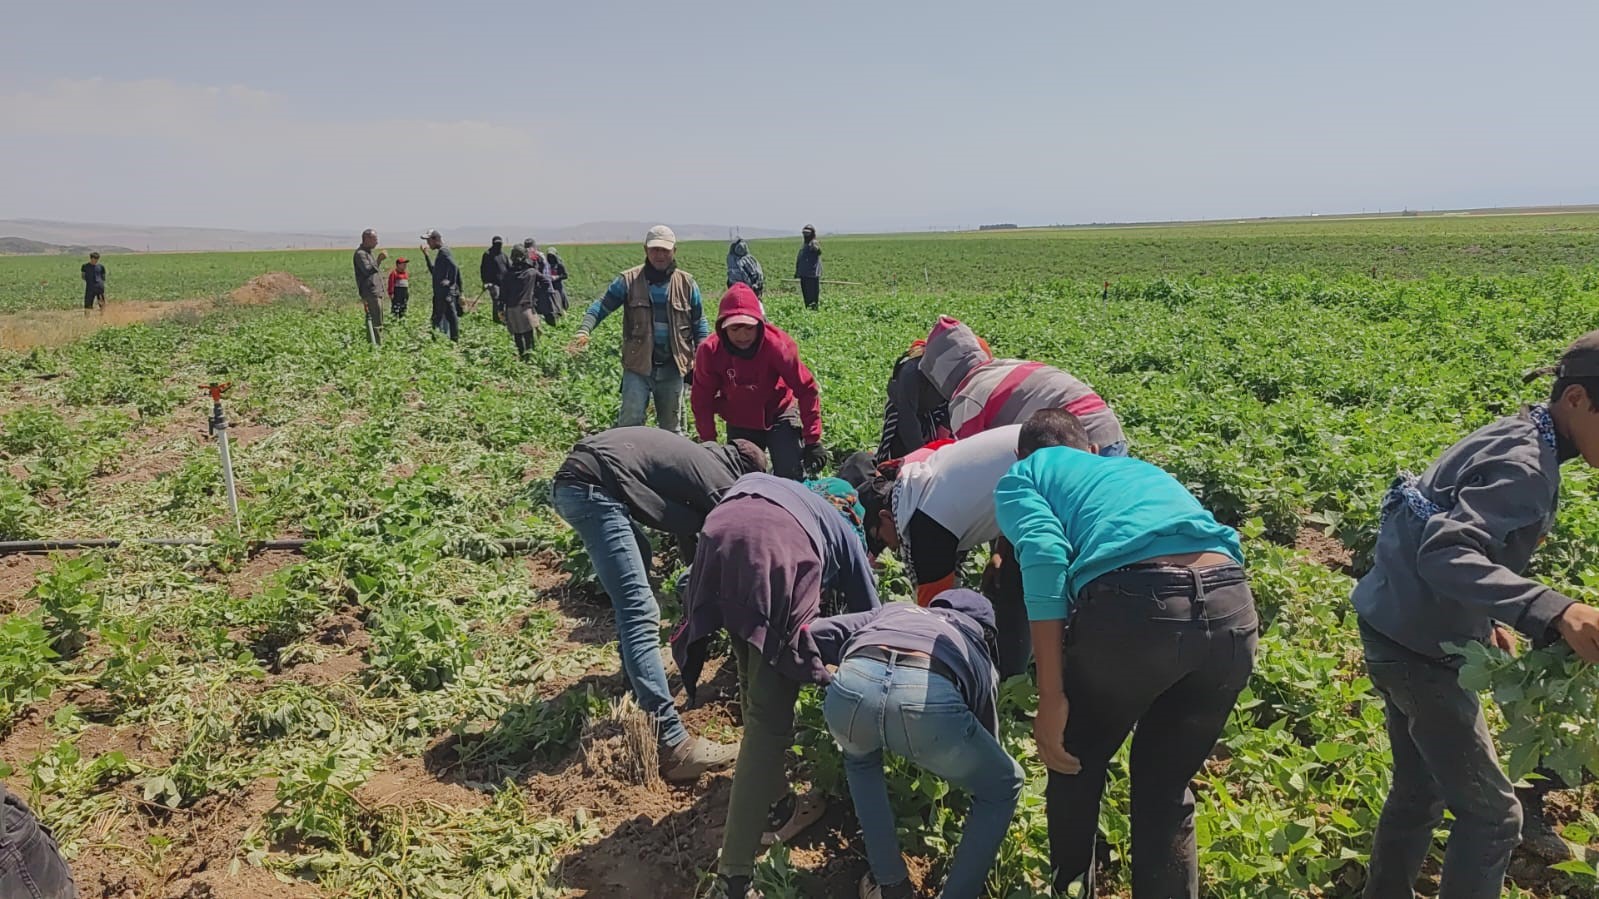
658 275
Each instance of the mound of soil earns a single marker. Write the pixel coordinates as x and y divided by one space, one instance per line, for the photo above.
271 286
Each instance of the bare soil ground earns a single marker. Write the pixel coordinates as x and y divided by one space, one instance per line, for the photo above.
54 327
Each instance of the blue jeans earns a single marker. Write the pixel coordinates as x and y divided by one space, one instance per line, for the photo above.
31 866
1117 450
620 552
872 706
665 385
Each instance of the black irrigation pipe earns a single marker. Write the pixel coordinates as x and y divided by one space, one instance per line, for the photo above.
298 544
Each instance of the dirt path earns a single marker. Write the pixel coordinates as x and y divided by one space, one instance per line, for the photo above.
54 327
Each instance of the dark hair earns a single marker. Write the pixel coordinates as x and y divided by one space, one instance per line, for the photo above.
875 496
1591 385
95 255
1051 427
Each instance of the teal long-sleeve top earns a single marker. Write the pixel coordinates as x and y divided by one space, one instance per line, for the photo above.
1074 516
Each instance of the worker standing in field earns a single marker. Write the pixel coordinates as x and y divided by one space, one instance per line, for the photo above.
663 324
750 375
369 283
399 288
557 272
1447 569
1163 634
766 554
93 283
610 485
984 392
808 268
920 682
446 285
519 291
492 269
744 268
936 505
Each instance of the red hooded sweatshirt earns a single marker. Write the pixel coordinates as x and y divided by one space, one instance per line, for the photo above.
751 388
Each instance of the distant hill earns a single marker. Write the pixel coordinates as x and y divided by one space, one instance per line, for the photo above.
21 246
601 232
71 236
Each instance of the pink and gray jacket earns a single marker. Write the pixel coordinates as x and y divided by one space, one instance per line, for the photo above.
985 392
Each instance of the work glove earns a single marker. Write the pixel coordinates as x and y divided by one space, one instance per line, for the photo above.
813 457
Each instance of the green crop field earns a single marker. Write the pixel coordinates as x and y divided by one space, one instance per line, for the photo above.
407 710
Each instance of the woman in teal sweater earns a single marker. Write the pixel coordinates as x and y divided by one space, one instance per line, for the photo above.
1162 636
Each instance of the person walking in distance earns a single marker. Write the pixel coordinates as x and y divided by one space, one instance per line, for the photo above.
446 285
93 283
663 324
492 270
369 283
808 268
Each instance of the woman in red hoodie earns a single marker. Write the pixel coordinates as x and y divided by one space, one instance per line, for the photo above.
749 373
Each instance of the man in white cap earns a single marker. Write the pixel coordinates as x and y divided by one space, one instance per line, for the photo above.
661 328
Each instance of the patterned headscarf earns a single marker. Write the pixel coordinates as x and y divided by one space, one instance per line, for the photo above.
844 498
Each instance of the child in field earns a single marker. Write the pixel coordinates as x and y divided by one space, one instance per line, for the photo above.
399 288
93 283
1447 569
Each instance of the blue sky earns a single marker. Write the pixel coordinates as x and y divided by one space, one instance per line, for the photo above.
852 115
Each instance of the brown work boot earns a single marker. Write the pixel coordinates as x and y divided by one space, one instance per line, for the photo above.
685 762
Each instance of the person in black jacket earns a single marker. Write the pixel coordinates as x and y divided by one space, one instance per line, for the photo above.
612 484
93 283
808 268
446 285
558 276
519 291
492 270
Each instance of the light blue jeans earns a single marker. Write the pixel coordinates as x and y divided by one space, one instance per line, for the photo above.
620 551
665 385
1117 450
872 706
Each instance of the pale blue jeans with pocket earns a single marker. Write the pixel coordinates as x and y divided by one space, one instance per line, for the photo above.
873 706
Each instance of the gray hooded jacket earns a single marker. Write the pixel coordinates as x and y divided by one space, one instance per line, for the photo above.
1447 577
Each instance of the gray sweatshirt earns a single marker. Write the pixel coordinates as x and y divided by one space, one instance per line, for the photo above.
1447 577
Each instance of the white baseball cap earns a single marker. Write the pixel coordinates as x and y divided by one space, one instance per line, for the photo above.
660 236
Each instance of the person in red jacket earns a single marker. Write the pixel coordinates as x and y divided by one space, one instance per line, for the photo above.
749 373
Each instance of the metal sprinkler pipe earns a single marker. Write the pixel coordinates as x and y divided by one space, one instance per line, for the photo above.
219 429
